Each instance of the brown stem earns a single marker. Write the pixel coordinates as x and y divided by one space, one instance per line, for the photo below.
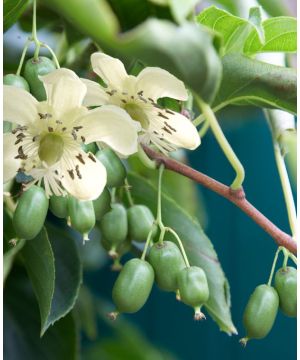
236 197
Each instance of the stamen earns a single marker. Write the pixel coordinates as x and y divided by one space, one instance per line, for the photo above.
83 139
170 112
91 156
124 101
169 126
163 116
78 172
166 130
140 92
74 134
71 173
77 128
80 158
50 129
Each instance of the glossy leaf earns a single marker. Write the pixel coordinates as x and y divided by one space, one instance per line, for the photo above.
22 326
68 273
12 10
39 262
199 249
55 276
251 82
280 36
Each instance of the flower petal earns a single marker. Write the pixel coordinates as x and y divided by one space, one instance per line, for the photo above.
65 91
95 94
110 70
112 126
157 83
175 129
19 106
10 164
86 179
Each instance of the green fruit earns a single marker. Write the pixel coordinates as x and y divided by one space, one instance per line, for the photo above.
35 68
133 286
102 204
59 206
113 225
193 288
286 286
16 80
82 216
140 221
167 261
115 169
30 213
260 312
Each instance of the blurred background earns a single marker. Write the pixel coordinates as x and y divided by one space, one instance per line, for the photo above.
244 249
163 328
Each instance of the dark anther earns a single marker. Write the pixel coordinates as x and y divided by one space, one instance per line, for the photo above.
80 158
50 129
163 116
91 156
71 173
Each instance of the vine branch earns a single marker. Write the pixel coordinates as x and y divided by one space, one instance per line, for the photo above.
236 197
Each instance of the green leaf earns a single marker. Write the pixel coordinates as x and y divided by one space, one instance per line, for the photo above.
251 82
186 51
233 29
12 10
199 249
251 36
39 261
9 256
54 268
280 36
21 323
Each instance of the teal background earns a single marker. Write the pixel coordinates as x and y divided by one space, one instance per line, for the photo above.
244 249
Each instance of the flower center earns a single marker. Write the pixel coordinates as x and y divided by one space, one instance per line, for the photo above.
137 114
51 148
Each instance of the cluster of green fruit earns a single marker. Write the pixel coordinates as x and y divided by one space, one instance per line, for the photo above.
262 307
30 80
165 264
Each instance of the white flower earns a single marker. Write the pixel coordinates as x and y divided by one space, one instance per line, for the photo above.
46 144
138 95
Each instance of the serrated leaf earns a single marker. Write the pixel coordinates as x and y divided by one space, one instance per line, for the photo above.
39 262
251 36
22 326
247 81
12 10
280 36
54 268
199 249
68 273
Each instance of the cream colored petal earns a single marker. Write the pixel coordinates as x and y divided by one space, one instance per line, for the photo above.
19 106
10 164
83 181
110 70
175 128
95 94
157 83
113 126
65 91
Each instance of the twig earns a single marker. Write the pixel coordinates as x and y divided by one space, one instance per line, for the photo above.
236 197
